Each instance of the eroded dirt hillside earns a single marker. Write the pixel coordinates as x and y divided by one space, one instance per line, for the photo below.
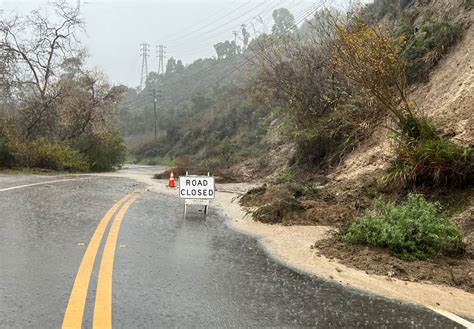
448 100
347 190
448 97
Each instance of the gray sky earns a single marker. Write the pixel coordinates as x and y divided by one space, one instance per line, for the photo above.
188 29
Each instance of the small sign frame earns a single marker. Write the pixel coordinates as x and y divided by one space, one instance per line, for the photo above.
196 190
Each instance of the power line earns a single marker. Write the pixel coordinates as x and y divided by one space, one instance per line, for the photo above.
249 21
226 26
222 25
313 9
141 100
300 17
180 35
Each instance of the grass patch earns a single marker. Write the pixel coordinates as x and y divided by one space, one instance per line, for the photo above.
414 229
288 175
434 160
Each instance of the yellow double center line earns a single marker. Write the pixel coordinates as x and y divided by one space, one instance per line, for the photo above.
103 299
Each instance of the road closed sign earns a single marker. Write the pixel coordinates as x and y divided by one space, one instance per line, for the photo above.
196 187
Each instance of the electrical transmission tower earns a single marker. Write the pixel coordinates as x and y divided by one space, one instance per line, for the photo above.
161 56
145 47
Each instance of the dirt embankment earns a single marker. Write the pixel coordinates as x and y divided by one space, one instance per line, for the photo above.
448 96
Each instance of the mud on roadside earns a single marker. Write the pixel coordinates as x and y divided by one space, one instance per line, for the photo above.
456 272
335 204
303 204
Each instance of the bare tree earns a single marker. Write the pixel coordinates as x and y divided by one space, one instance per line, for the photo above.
295 67
38 45
88 104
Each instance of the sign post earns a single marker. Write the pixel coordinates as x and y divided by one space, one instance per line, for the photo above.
196 190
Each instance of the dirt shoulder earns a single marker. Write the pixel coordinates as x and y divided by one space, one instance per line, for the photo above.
294 246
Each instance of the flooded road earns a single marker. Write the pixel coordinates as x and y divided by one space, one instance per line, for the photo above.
166 271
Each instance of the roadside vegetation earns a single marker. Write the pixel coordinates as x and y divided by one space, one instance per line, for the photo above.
413 229
54 113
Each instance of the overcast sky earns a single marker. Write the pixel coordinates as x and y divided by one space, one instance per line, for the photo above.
189 29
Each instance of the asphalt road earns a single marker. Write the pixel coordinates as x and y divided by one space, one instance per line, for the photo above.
66 260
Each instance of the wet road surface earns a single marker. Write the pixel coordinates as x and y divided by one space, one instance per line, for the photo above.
167 271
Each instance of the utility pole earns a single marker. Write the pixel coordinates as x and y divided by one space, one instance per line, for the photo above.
161 57
235 33
153 93
245 35
144 53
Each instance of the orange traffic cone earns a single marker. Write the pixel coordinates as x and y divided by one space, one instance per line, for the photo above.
171 182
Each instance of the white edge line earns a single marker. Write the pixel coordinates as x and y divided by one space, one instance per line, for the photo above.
41 183
453 317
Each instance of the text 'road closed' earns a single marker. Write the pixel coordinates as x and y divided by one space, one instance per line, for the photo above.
196 187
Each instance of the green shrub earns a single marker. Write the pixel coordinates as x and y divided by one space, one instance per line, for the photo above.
53 155
425 47
415 229
104 152
6 153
